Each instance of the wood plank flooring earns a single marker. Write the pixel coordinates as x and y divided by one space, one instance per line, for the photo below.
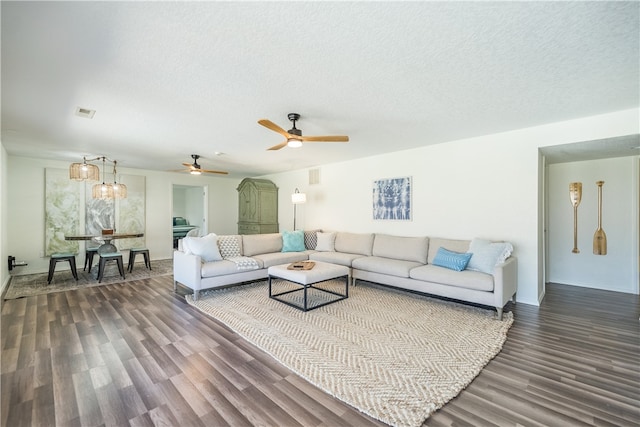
136 354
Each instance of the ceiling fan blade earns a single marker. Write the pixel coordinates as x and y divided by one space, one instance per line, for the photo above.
211 171
334 138
279 146
274 127
187 165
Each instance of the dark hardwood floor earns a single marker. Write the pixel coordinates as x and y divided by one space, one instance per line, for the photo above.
136 354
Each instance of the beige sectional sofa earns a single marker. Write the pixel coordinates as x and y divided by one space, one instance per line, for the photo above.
401 262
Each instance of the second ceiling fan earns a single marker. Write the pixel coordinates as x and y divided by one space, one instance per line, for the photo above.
294 137
195 169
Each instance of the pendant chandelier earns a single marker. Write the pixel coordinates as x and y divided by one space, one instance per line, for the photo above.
89 172
84 171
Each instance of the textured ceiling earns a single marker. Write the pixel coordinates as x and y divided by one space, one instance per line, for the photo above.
168 79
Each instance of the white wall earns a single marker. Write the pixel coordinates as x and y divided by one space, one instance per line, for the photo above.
489 186
24 236
616 271
179 203
195 206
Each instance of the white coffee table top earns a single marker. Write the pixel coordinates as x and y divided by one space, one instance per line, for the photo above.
320 272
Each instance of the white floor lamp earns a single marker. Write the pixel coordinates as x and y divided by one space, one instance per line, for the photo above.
297 198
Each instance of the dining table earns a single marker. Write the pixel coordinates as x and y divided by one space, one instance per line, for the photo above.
106 246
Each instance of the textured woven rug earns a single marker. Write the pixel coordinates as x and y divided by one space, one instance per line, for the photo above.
36 284
393 355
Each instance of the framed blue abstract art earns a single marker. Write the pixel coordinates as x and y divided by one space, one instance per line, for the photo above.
392 199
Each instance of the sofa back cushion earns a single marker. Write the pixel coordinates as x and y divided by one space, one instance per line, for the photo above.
403 248
436 243
354 243
256 244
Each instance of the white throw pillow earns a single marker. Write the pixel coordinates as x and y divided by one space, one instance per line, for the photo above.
205 247
486 255
326 242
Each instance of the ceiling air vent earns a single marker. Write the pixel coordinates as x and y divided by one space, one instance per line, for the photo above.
85 112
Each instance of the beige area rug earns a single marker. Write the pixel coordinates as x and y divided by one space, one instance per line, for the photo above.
393 355
36 284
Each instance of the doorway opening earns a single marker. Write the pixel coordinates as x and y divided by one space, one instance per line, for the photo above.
190 214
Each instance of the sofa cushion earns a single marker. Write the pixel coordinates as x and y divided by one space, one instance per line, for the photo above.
353 243
277 258
392 267
453 245
403 248
205 247
486 255
451 260
230 246
218 268
326 242
339 258
463 279
293 241
254 244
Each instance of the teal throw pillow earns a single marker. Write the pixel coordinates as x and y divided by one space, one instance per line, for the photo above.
451 260
293 241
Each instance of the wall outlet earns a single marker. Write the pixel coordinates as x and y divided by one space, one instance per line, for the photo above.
41 254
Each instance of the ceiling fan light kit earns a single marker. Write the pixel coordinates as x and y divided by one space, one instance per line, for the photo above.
294 137
294 143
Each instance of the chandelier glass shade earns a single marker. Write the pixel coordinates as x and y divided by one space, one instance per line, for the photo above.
84 171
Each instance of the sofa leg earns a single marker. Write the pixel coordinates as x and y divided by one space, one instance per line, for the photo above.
196 295
499 310
175 286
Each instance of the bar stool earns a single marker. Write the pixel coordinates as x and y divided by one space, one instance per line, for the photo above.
105 258
132 258
58 257
88 257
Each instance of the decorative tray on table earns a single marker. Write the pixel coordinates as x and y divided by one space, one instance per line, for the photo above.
302 265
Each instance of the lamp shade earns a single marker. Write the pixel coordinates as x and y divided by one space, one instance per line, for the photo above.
102 191
298 198
84 172
119 191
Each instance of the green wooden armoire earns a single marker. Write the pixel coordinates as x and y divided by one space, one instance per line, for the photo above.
258 206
